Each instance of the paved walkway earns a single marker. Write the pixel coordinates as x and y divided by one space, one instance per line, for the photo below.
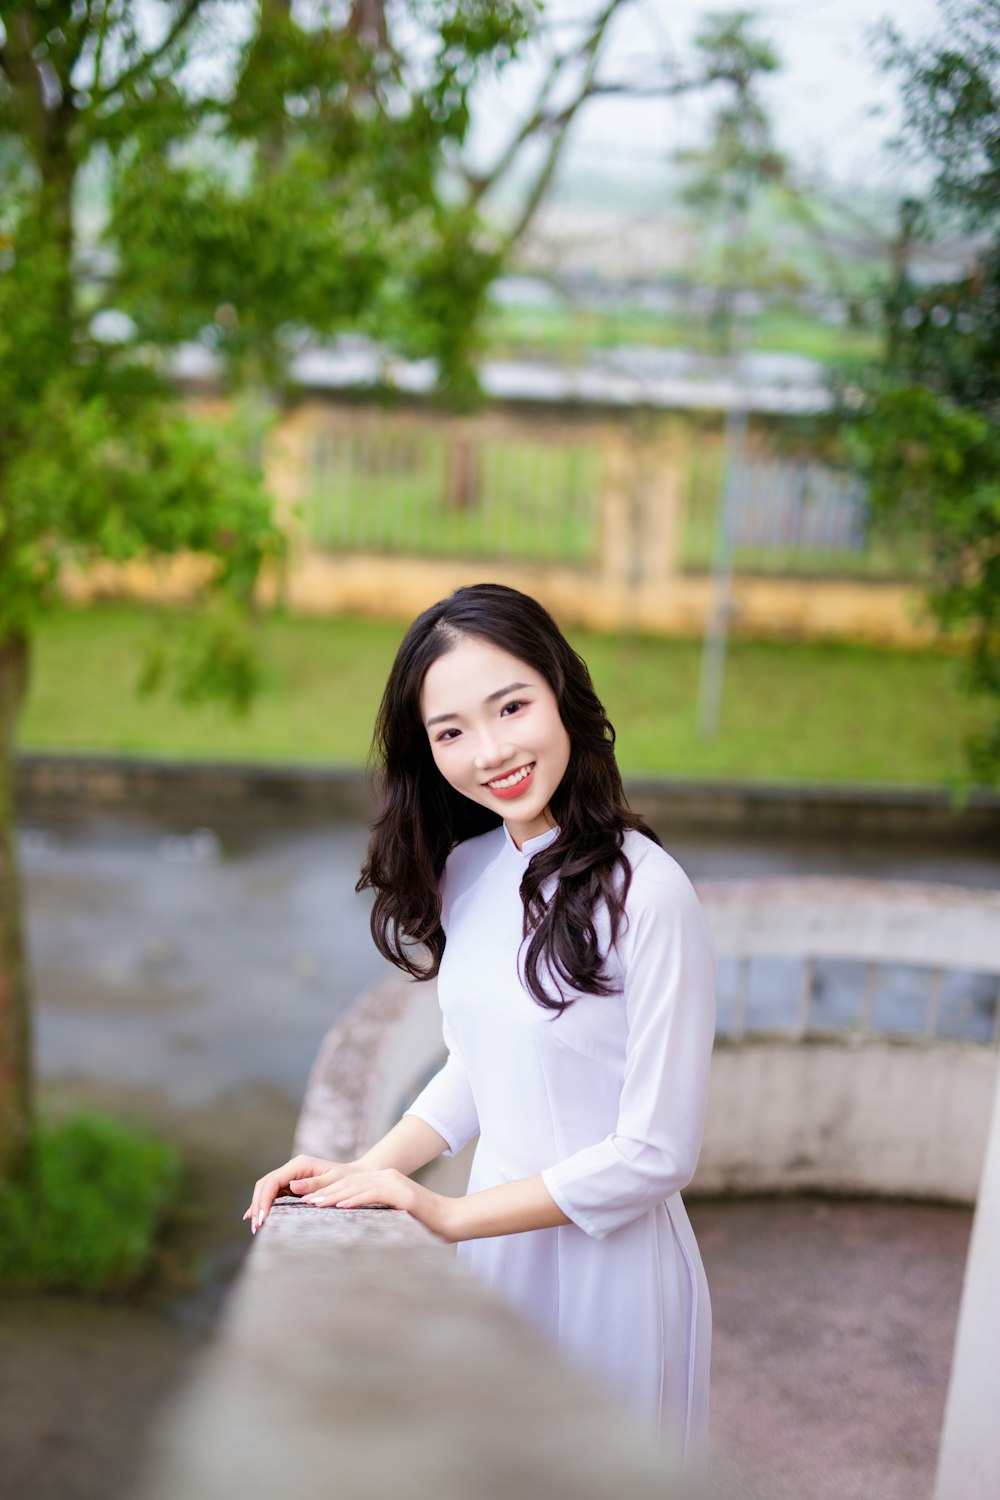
834 1325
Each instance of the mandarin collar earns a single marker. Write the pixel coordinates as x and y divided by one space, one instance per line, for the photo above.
530 846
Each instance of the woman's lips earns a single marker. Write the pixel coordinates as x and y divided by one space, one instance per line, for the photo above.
507 792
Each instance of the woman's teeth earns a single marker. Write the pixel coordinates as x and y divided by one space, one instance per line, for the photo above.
511 780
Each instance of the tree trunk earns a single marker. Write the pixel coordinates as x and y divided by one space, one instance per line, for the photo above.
16 1109
463 473
901 289
55 227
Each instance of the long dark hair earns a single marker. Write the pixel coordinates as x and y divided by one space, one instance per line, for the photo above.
423 817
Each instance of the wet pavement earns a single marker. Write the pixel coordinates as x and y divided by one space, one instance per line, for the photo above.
185 977
179 962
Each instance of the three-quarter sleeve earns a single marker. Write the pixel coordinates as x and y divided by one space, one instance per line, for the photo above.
669 993
446 1103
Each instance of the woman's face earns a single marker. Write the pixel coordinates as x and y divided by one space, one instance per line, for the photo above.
495 733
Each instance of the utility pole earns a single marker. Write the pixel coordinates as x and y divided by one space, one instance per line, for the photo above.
713 656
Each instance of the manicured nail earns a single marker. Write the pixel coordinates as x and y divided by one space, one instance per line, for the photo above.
253 1227
260 1218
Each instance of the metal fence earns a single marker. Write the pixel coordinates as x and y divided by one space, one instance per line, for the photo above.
855 958
537 491
415 490
799 998
793 516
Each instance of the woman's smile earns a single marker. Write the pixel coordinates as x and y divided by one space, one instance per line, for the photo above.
514 783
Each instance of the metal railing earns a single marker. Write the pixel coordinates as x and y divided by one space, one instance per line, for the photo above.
416 488
794 516
541 491
818 956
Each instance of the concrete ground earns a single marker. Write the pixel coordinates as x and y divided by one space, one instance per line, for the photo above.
834 1326
834 1323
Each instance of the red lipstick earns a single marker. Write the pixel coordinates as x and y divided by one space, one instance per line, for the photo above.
519 787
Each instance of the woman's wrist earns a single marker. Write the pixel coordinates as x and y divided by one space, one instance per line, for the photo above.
451 1218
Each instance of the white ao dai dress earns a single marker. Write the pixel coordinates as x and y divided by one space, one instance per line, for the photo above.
607 1102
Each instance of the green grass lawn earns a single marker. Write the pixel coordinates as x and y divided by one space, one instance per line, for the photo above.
791 711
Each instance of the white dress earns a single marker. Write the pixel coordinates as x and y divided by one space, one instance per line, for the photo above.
607 1102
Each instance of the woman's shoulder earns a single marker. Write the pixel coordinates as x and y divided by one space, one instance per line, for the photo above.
657 877
662 906
469 859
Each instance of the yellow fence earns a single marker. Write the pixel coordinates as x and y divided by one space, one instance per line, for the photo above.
608 521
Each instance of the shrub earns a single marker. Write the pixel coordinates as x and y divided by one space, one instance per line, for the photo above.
89 1218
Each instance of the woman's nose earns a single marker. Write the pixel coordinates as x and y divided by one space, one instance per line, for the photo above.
492 753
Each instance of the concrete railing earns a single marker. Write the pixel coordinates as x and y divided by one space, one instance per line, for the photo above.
357 1360
870 923
859 1110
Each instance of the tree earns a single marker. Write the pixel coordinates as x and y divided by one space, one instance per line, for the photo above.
342 150
929 438
304 193
96 457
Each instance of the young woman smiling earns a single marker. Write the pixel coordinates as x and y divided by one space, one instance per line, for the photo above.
576 980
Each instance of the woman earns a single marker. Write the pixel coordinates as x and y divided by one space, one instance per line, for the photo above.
576 980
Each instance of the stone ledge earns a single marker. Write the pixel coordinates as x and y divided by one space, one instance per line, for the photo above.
358 1360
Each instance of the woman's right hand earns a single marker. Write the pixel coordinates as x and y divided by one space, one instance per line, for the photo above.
303 1174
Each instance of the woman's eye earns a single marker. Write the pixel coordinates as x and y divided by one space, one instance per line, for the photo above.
515 704
446 734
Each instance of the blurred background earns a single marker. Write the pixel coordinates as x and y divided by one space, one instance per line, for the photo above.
684 320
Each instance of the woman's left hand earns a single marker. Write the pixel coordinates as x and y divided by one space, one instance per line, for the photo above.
393 1189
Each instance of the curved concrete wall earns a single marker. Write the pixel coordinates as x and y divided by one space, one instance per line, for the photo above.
889 1118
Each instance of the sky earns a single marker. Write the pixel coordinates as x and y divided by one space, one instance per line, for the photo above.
825 101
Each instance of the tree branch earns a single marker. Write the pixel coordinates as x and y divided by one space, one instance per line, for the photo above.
560 122
143 64
482 182
541 119
25 79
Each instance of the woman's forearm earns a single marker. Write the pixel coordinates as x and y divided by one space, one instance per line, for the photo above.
508 1208
407 1146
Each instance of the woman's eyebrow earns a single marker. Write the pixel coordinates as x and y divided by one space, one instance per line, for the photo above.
512 687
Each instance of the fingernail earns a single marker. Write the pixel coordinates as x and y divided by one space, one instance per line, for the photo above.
253 1227
260 1218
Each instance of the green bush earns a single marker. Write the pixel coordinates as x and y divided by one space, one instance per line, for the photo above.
89 1218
